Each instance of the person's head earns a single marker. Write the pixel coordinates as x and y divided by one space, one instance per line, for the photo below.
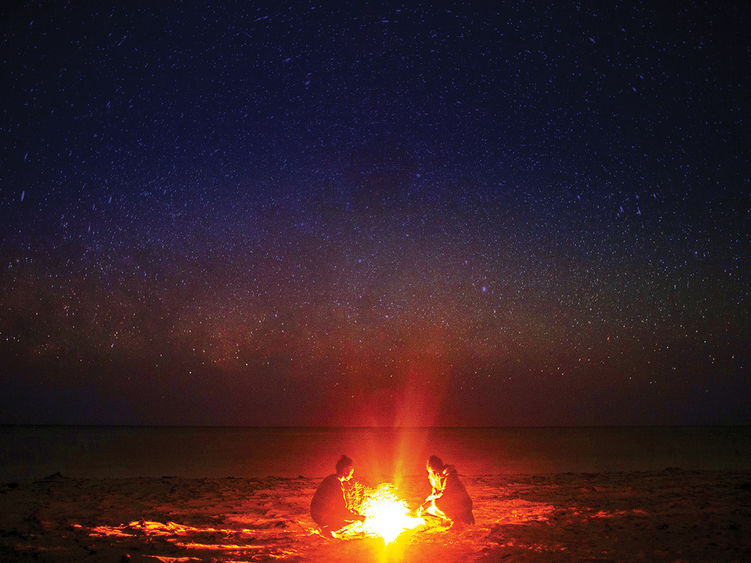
435 464
345 467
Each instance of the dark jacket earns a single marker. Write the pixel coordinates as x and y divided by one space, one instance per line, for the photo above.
454 501
328 507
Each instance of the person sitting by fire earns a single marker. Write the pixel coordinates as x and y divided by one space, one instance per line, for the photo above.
449 499
329 507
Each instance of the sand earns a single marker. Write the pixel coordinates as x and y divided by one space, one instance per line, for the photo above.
667 515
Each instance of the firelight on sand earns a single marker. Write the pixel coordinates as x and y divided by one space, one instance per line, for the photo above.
386 515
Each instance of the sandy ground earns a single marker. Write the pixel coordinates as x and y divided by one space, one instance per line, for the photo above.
668 515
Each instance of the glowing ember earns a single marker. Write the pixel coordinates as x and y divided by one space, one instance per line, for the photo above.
386 515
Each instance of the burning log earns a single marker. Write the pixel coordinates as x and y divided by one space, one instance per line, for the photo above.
386 515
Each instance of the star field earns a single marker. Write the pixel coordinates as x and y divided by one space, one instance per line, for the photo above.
300 214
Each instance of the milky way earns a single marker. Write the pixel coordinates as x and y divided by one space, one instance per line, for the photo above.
302 214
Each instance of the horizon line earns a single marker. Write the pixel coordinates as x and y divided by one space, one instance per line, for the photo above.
372 427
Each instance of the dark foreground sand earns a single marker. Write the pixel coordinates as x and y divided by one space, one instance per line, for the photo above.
668 515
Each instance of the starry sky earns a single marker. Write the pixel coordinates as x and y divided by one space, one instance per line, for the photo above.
296 213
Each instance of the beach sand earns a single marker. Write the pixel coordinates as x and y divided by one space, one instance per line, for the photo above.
667 515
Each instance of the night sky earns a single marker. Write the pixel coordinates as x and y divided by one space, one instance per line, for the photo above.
303 214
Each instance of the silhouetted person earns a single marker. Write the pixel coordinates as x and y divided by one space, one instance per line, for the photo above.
328 507
449 498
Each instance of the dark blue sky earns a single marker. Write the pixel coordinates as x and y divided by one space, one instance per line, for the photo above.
295 213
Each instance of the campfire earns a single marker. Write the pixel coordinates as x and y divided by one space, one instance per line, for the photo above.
386 515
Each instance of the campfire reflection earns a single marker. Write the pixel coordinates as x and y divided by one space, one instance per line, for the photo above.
230 541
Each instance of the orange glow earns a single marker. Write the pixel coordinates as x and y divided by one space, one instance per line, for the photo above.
186 537
386 515
435 511
152 528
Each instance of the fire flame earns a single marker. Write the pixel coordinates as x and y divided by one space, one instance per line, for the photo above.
386 515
